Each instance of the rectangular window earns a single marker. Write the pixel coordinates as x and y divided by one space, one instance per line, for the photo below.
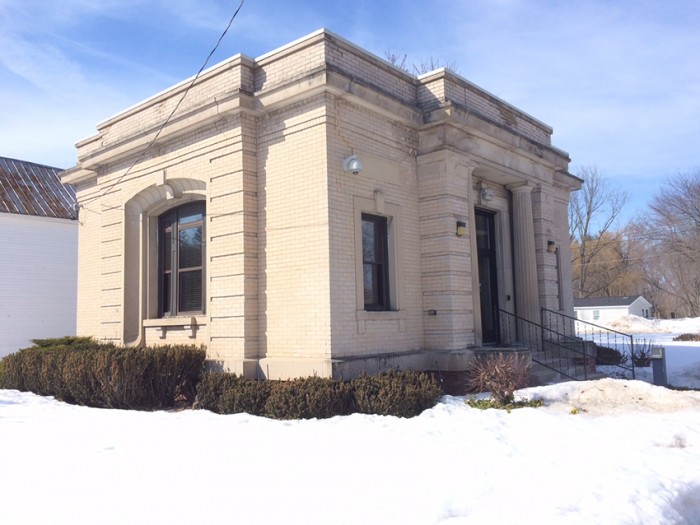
375 262
596 315
181 260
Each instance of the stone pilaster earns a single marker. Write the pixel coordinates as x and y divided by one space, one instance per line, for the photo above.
524 258
445 265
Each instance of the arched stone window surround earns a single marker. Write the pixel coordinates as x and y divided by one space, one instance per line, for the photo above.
140 276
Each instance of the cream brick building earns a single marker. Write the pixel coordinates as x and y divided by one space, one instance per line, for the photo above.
319 211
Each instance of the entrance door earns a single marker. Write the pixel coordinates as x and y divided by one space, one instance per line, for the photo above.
488 284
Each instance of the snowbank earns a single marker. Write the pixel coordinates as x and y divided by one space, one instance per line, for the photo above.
632 324
630 455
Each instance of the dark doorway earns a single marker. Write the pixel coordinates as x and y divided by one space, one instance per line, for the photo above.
488 282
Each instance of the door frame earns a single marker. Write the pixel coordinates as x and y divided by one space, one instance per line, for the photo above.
488 304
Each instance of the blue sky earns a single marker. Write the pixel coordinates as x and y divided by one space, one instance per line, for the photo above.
618 81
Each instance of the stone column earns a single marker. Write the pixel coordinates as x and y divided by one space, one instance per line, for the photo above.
524 262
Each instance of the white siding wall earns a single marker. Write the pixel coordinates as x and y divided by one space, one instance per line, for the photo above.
38 279
606 314
639 306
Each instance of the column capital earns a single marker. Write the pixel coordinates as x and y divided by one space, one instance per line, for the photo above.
521 186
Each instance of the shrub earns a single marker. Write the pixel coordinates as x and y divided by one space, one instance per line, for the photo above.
250 397
687 337
212 387
609 356
501 374
2 370
641 355
231 394
401 393
68 340
310 397
641 359
102 375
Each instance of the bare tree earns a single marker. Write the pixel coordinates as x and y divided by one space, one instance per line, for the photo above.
399 60
672 233
593 214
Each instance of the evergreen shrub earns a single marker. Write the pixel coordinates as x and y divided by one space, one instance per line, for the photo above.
687 337
231 394
89 373
402 393
309 397
609 356
397 393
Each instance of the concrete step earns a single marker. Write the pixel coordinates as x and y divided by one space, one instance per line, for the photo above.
544 371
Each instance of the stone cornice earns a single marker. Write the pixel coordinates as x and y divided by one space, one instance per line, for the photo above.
564 179
480 125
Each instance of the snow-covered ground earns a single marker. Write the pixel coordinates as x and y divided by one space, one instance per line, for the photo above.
682 357
598 452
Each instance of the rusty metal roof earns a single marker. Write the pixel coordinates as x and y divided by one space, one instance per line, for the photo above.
27 188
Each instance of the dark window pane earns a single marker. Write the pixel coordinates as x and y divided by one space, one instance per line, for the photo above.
370 285
166 298
375 268
190 215
181 259
368 244
167 250
190 291
190 247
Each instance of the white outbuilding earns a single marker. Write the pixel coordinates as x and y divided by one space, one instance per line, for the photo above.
606 309
38 255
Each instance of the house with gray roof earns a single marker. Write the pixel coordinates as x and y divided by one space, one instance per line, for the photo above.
39 261
606 309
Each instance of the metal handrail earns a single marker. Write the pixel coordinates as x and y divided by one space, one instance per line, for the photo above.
557 351
599 335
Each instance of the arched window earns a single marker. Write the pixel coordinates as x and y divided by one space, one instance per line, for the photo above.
181 260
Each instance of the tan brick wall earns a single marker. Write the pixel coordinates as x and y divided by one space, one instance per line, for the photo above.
223 80
442 86
293 231
387 151
371 71
289 64
446 258
89 264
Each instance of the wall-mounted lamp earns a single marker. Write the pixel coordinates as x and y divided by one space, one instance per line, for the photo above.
352 164
551 247
461 229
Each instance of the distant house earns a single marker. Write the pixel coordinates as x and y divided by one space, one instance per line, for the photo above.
317 210
605 309
39 257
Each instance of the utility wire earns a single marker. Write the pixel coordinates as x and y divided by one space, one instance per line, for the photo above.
170 116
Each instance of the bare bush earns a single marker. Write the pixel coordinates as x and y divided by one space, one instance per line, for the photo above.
501 374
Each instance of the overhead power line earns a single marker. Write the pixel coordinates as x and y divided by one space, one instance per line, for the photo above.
170 116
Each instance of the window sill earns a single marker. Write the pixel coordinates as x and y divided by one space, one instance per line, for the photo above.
182 320
379 315
185 322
